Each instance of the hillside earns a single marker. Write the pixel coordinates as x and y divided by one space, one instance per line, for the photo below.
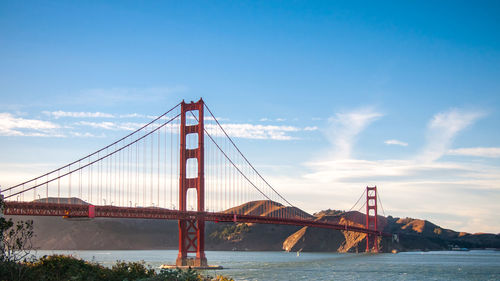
413 234
111 233
267 208
317 239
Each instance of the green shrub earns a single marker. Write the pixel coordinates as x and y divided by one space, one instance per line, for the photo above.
177 275
61 267
130 271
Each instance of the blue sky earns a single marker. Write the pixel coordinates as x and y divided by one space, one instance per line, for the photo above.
404 95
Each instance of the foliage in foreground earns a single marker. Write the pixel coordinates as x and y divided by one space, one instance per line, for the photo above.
15 238
60 267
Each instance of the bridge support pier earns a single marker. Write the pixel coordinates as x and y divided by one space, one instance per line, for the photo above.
192 232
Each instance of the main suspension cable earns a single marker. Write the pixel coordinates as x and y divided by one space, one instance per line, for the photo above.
364 191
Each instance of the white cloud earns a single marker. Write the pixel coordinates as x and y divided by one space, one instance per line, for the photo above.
99 125
16 126
442 129
86 135
131 126
276 120
396 142
311 128
345 127
132 115
106 125
490 152
237 130
60 113
251 131
354 170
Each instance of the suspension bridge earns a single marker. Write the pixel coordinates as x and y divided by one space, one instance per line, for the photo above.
182 166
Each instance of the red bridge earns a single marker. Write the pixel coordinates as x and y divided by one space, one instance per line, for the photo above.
146 175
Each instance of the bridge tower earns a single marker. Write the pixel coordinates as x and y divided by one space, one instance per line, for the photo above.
371 219
192 231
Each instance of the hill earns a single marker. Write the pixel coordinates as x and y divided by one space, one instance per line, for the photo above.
413 234
112 233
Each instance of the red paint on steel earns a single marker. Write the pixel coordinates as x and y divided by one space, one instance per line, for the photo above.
91 211
78 210
192 231
371 219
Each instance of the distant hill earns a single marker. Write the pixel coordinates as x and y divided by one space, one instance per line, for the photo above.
413 234
424 235
318 239
71 200
255 237
268 208
111 233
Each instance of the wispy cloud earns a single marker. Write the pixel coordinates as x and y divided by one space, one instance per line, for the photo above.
71 114
422 178
60 113
251 131
396 142
99 125
133 115
115 126
86 135
237 130
345 127
9 123
311 128
16 126
271 120
443 128
490 152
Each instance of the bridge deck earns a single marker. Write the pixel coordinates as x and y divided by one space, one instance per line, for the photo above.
82 211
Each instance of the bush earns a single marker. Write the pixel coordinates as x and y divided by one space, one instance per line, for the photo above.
177 274
61 267
232 231
130 271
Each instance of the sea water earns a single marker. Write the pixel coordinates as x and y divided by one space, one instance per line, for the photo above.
442 265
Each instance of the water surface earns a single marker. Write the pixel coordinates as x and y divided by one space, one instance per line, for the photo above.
443 265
